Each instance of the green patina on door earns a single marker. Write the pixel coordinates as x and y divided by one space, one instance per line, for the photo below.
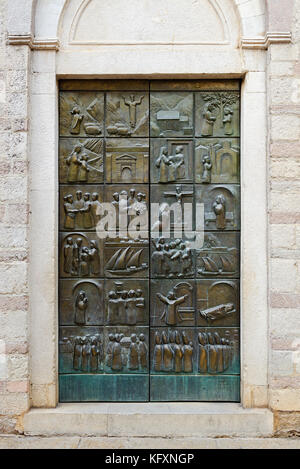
149 319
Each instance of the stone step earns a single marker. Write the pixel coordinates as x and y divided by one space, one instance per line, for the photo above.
167 420
75 442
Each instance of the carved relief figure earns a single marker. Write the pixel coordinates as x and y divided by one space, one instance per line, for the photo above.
157 354
219 208
124 306
94 258
133 354
127 353
86 352
203 358
173 352
171 167
83 212
68 256
179 195
170 314
132 104
207 166
162 163
209 119
143 352
187 354
76 120
73 162
70 212
80 164
81 112
168 353
218 113
178 353
79 259
177 262
227 120
116 361
215 353
128 208
81 304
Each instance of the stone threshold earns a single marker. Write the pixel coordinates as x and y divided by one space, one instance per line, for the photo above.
165 420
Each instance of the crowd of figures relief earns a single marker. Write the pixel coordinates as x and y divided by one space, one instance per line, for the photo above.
175 352
172 259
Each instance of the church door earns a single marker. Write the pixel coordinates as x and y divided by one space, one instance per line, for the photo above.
147 313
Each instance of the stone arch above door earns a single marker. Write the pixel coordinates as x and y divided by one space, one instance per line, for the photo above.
40 23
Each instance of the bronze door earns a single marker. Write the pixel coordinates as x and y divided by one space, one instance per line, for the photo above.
149 317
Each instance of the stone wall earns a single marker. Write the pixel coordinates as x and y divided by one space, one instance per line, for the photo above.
284 225
14 212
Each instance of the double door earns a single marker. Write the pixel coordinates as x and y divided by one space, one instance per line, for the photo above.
154 316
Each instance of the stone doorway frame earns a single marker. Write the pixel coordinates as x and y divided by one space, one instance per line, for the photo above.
35 29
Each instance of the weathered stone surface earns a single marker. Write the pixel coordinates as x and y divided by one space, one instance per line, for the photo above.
287 423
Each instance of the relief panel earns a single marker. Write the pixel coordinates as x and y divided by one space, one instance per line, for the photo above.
81 302
173 303
126 260
126 349
81 114
81 349
219 256
173 350
217 114
127 114
221 206
172 258
195 351
130 201
171 114
218 303
217 160
80 207
81 160
177 196
126 302
127 161
81 255
171 160
218 351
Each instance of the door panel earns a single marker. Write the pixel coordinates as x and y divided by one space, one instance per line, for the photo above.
149 318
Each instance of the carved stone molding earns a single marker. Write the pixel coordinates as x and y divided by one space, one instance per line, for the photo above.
264 42
32 42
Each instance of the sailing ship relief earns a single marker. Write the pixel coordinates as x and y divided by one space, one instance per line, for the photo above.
126 261
215 259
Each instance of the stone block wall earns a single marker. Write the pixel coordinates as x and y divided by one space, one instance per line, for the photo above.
14 213
284 223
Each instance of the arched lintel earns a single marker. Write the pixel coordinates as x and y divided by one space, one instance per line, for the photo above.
36 23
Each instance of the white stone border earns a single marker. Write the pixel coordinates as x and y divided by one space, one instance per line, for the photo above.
43 155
